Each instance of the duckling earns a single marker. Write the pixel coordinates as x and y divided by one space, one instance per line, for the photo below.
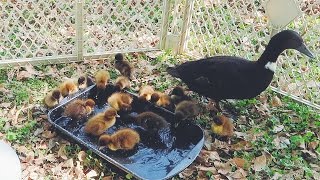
84 82
125 139
230 77
160 99
122 82
222 126
99 123
178 95
68 87
102 77
123 66
186 110
79 109
120 101
151 121
89 105
52 99
145 93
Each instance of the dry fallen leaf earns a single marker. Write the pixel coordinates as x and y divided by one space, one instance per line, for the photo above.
278 128
238 174
211 169
68 163
186 173
48 134
62 152
91 174
241 163
241 145
313 145
276 102
82 156
259 163
223 168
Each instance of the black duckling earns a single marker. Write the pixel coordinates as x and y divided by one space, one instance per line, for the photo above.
123 66
151 122
178 95
185 110
84 82
230 77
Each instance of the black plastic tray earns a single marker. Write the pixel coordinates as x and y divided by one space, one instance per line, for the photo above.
154 157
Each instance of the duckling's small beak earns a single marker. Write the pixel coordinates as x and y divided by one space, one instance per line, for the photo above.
117 115
303 49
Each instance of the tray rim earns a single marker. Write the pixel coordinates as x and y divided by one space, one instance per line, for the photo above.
170 174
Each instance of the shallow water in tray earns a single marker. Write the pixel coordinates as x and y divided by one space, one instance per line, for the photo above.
154 157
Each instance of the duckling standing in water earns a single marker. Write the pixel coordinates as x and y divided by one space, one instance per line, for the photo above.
160 99
186 110
145 93
120 101
99 123
102 77
222 126
125 139
52 99
84 82
79 109
151 122
230 77
68 87
123 66
178 95
122 82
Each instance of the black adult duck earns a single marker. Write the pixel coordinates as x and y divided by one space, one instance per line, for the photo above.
230 77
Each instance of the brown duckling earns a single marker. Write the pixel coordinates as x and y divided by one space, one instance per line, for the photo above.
68 87
120 101
79 109
222 126
52 99
123 66
99 123
186 110
84 82
145 93
160 99
125 139
122 82
178 95
102 77
151 122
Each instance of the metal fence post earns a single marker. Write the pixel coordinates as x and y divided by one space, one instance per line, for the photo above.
79 30
185 25
165 23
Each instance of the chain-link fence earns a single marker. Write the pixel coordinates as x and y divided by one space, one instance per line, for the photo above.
70 30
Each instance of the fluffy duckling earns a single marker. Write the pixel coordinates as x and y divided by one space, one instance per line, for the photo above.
84 82
145 93
151 122
222 126
123 66
122 82
102 77
186 110
99 123
160 99
79 109
120 101
52 99
178 95
68 87
125 139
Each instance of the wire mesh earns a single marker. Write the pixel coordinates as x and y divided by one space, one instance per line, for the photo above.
36 29
240 28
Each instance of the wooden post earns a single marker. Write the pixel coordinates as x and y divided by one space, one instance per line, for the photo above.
165 23
79 30
185 25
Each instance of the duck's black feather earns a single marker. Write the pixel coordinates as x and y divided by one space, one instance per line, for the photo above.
230 77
